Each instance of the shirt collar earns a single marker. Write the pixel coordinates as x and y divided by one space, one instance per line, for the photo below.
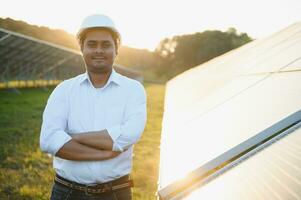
114 77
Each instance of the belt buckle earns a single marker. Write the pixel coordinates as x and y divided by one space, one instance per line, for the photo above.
103 189
86 191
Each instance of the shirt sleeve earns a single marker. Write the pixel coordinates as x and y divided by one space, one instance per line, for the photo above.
128 133
53 135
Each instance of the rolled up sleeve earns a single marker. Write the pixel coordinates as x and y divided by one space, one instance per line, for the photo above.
53 135
128 133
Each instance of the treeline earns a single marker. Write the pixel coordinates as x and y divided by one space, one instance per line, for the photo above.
180 53
171 57
55 36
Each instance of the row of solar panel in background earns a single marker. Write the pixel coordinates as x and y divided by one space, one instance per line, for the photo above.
23 58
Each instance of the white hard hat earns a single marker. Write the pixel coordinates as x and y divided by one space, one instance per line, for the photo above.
98 21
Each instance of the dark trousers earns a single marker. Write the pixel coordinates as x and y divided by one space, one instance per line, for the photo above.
61 192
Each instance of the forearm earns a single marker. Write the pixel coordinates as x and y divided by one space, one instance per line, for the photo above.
74 150
98 139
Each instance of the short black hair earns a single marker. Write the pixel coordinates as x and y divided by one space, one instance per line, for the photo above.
82 36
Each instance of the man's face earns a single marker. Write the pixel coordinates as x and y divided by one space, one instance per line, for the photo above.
99 51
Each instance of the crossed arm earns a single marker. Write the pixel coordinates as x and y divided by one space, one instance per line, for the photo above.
88 146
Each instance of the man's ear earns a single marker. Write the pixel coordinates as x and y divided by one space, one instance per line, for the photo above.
81 44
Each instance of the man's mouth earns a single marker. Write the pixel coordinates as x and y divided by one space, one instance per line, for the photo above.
98 58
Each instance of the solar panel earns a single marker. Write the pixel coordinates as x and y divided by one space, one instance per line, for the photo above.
217 108
19 54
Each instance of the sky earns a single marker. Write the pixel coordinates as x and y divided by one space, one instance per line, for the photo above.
143 24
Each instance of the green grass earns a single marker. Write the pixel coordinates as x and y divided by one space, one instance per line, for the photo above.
26 172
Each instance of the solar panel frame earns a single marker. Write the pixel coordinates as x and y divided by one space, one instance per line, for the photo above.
256 162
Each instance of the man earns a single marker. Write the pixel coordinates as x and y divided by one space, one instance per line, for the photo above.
92 121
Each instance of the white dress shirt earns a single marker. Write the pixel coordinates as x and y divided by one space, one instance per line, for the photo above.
75 106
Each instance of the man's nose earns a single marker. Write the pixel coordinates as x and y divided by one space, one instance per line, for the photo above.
99 49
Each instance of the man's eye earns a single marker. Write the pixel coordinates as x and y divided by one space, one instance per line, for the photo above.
106 45
92 45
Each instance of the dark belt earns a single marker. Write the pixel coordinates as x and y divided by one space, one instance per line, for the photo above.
117 184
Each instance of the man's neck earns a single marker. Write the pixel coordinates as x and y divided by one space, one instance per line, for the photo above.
99 79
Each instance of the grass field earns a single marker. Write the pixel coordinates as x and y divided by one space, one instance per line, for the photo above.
26 172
